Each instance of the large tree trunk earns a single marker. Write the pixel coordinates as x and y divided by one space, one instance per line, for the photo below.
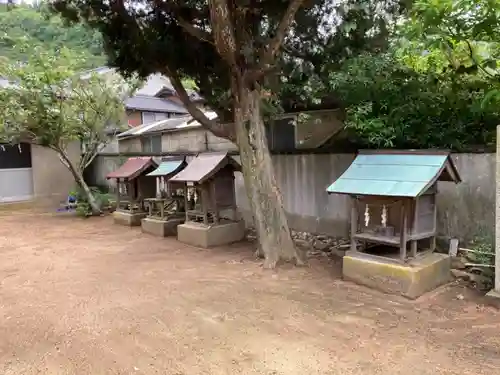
78 176
264 196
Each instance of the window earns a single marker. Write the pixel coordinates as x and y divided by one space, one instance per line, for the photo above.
151 144
307 132
281 134
15 156
150 117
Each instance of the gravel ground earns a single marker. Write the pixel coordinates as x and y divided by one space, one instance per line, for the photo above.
88 297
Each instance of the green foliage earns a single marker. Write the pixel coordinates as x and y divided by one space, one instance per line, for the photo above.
463 34
83 207
37 28
483 244
438 86
144 40
49 104
389 104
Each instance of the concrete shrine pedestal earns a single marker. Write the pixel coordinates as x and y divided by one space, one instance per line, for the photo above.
131 219
410 280
161 228
201 235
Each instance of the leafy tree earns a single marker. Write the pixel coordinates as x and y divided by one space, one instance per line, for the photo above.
392 105
38 28
48 104
465 32
239 52
437 86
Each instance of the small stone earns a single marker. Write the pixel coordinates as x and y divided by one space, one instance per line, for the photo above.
320 245
302 243
459 274
458 263
460 297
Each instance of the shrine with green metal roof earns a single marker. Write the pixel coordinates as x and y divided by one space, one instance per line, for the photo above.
393 196
166 210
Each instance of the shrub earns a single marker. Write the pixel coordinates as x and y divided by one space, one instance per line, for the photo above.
484 258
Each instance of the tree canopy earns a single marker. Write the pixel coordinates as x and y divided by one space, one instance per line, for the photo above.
177 34
38 28
47 103
436 86
242 54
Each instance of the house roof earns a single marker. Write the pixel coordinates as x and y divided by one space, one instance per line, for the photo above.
171 124
153 85
153 104
133 167
204 166
169 168
395 173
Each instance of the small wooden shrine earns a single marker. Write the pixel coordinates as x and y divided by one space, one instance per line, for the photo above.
209 188
133 186
169 200
393 197
210 200
393 203
167 209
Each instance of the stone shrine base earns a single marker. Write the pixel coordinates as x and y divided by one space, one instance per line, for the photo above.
162 228
128 218
201 235
410 280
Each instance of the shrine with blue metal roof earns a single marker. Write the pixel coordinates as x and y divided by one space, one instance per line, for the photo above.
393 204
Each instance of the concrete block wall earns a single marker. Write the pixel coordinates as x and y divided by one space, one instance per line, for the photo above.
192 140
130 145
52 181
468 208
189 140
219 144
303 180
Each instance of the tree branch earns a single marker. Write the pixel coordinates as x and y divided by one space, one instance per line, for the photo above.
194 31
268 55
175 9
218 129
474 60
223 30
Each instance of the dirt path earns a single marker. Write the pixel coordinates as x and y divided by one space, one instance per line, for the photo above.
88 297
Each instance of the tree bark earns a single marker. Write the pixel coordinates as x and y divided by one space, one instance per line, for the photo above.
78 176
263 193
